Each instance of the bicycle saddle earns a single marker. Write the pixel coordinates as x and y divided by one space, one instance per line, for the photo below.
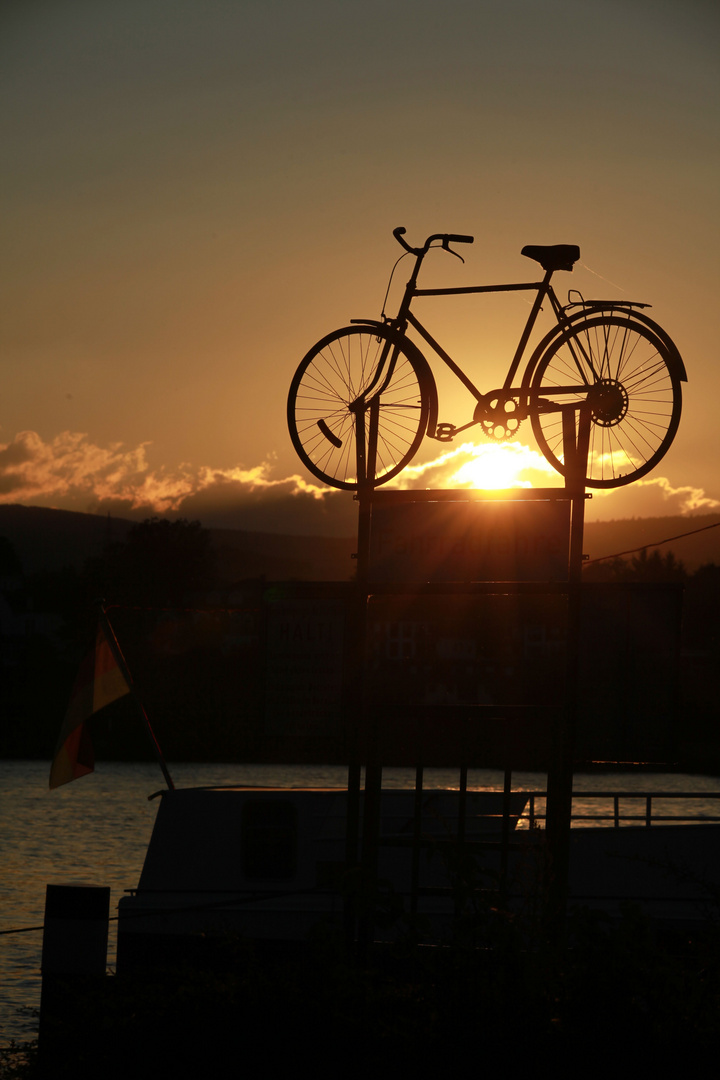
555 257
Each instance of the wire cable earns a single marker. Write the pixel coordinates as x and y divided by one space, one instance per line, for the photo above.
656 543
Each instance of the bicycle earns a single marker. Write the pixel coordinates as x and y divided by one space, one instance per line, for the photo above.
606 352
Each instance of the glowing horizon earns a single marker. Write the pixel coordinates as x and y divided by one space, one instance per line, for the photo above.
72 472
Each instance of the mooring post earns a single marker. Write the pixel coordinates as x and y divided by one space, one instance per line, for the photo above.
74 955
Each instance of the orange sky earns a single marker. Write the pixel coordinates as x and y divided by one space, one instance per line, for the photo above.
194 191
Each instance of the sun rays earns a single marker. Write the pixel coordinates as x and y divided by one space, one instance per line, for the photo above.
485 465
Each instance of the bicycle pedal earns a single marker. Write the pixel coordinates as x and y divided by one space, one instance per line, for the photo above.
445 432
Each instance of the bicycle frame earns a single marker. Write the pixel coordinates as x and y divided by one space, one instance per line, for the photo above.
543 290
405 317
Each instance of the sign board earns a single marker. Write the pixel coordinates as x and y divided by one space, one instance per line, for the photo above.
415 542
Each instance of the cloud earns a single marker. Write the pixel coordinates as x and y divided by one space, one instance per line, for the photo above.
73 473
652 497
31 468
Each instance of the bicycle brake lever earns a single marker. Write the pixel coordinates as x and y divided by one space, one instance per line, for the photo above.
446 247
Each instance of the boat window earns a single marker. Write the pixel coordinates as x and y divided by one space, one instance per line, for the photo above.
269 839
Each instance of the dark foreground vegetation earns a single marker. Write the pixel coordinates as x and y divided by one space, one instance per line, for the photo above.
624 992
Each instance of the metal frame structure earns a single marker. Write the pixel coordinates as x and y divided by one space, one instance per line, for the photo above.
363 828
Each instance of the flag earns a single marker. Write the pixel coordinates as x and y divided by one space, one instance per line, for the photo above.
99 682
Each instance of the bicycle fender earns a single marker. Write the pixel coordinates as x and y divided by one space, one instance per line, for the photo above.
424 370
675 361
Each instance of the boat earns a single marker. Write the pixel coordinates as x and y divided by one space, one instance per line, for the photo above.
270 865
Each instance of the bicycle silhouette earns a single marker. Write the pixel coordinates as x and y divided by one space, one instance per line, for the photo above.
371 377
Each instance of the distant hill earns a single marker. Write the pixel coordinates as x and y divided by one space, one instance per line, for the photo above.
50 539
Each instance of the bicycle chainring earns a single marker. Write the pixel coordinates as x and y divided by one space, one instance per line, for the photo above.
499 415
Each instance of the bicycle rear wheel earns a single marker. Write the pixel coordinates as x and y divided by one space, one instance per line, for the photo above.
634 391
331 379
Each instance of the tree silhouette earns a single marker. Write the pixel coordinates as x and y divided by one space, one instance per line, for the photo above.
161 563
655 567
643 567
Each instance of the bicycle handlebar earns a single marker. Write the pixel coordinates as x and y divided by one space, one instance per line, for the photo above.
446 238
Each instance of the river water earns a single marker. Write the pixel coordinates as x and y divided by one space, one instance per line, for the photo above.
95 831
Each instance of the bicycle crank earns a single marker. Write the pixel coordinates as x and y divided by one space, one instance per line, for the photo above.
499 415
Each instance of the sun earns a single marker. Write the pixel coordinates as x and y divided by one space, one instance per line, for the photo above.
489 465
499 465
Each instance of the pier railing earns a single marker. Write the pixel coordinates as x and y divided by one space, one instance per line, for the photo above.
621 815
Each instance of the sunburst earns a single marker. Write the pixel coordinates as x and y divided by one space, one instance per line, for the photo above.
499 465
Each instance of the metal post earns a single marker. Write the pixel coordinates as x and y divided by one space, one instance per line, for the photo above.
560 772
369 712
417 816
366 733
357 651
505 836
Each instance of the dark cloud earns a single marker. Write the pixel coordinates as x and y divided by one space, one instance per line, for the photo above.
17 452
235 506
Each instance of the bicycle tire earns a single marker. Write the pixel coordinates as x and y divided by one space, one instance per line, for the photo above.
332 376
634 390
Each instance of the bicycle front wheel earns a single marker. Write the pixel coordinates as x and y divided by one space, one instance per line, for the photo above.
634 392
332 378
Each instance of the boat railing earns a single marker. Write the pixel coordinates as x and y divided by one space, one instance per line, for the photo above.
622 816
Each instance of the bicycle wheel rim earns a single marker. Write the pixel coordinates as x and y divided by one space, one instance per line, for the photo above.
635 392
333 375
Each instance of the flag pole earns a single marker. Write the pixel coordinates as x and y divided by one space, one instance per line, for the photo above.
115 649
